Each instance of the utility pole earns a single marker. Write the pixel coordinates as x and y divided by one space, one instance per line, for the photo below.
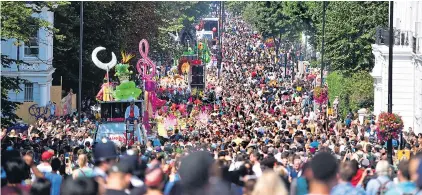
220 45
324 6
81 35
390 80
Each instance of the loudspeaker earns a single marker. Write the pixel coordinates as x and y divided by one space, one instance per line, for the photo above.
197 79
197 70
202 87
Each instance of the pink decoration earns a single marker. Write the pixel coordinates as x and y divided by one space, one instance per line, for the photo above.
155 101
182 108
197 27
145 121
145 61
150 85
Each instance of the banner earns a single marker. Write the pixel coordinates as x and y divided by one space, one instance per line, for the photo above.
116 133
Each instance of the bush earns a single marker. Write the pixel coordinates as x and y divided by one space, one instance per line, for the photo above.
354 90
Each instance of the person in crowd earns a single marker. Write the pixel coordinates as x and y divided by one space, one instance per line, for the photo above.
382 182
80 186
300 185
83 170
132 115
324 168
119 176
271 184
105 156
54 177
405 185
41 186
346 172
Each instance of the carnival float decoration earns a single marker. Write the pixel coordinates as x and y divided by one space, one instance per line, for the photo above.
127 90
105 94
151 101
389 125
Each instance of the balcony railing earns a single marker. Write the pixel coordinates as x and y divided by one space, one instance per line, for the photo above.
401 38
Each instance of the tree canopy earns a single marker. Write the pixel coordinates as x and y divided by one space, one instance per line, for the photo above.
18 24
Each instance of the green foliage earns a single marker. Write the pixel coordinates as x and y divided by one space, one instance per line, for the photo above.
115 25
354 90
349 32
118 25
18 23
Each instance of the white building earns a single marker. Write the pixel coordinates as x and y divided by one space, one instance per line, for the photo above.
39 53
407 65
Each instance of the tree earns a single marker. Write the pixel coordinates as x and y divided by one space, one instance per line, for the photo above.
17 23
117 26
355 90
349 32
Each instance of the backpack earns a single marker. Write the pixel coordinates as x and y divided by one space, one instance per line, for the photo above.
382 190
371 159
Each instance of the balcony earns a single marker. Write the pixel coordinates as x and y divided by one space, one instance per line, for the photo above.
401 38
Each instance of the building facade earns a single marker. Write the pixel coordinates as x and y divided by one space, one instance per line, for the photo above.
38 52
407 65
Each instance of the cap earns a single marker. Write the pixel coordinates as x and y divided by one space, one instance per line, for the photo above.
105 150
364 162
126 164
46 156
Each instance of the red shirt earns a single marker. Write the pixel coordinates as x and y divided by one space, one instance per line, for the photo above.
132 113
356 178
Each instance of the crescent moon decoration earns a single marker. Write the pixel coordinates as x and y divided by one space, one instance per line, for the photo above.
99 64
104 66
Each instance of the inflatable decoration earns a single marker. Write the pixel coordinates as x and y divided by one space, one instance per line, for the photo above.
127 90
151 100
144 62
105 94
99 64
203 118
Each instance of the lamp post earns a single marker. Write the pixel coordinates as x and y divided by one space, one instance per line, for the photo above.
81 35
285 59
390 82
324 5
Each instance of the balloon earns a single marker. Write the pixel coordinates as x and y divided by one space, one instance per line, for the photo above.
99 64
145 61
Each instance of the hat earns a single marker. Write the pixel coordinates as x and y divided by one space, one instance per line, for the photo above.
46 156
194 170
126 164
364 162
105 150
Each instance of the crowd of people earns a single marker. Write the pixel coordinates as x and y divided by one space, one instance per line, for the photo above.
264 136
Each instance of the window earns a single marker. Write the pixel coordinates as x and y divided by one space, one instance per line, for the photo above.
32 46
29 92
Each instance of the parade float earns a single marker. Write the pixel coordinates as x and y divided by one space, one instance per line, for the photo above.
115 97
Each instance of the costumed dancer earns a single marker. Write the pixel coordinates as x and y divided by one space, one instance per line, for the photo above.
105 94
